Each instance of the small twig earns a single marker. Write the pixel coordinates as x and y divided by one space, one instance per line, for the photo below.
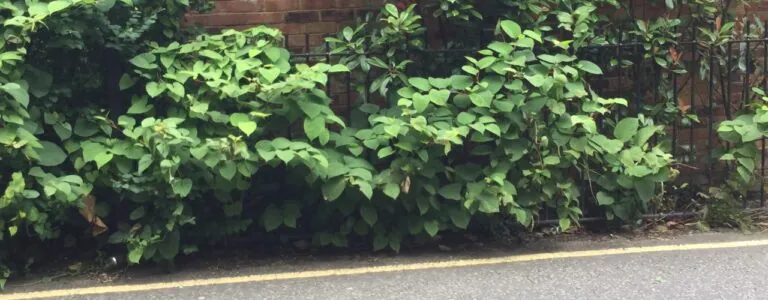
686 165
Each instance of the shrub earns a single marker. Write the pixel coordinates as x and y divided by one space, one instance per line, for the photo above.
205 138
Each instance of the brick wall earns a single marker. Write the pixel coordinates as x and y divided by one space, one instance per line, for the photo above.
295 18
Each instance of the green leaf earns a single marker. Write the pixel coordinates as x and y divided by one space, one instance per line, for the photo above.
237 118
511 28
481 99
452 191
134 256
646 189
386 151
91 150
273 218
391 9
369 214
532 34
465 118
537 80
551 160
431 227
565 224
85 128
228 170
338 69
270 74
273 53
17 92
154 89
285 155
314 127
126 82
57 5
105 5
605 199
420 102
439 97
380 242
211 54
102 159
461 82
589 67
247 127
169 247
177 89
139 106
626 129
182 187
51 155
747 163
392 190
144 163
420 83
63 130
137 213
460 218
333 188
144 61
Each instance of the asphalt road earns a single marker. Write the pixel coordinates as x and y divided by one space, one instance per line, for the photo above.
733 273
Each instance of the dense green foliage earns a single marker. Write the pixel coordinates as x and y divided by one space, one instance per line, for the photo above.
184 141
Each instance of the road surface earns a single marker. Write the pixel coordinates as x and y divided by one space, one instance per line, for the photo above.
702 266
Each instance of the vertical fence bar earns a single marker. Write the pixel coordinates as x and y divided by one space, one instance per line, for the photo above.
745 88
747 64
725 88
711 113
692 80
640 80
676 123
762 144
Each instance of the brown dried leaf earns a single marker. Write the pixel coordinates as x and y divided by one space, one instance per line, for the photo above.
89 213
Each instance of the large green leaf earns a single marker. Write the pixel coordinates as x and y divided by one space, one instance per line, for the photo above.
589 67
17 92
369 214
431 227
481 99
182 187
511 28
51 155
333 189
626 129
228 170
460 218
420 83
452 191
604 199
272 217
169 247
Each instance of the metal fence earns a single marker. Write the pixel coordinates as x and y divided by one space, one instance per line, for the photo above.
708 94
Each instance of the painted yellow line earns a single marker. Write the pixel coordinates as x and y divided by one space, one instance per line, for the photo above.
378 269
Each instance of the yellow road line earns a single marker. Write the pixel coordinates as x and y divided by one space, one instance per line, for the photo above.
378 269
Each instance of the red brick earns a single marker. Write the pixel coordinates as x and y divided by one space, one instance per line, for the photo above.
239 6
322 27
233 19
302 17
281 5
290 28
336 15
352 3
317 4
